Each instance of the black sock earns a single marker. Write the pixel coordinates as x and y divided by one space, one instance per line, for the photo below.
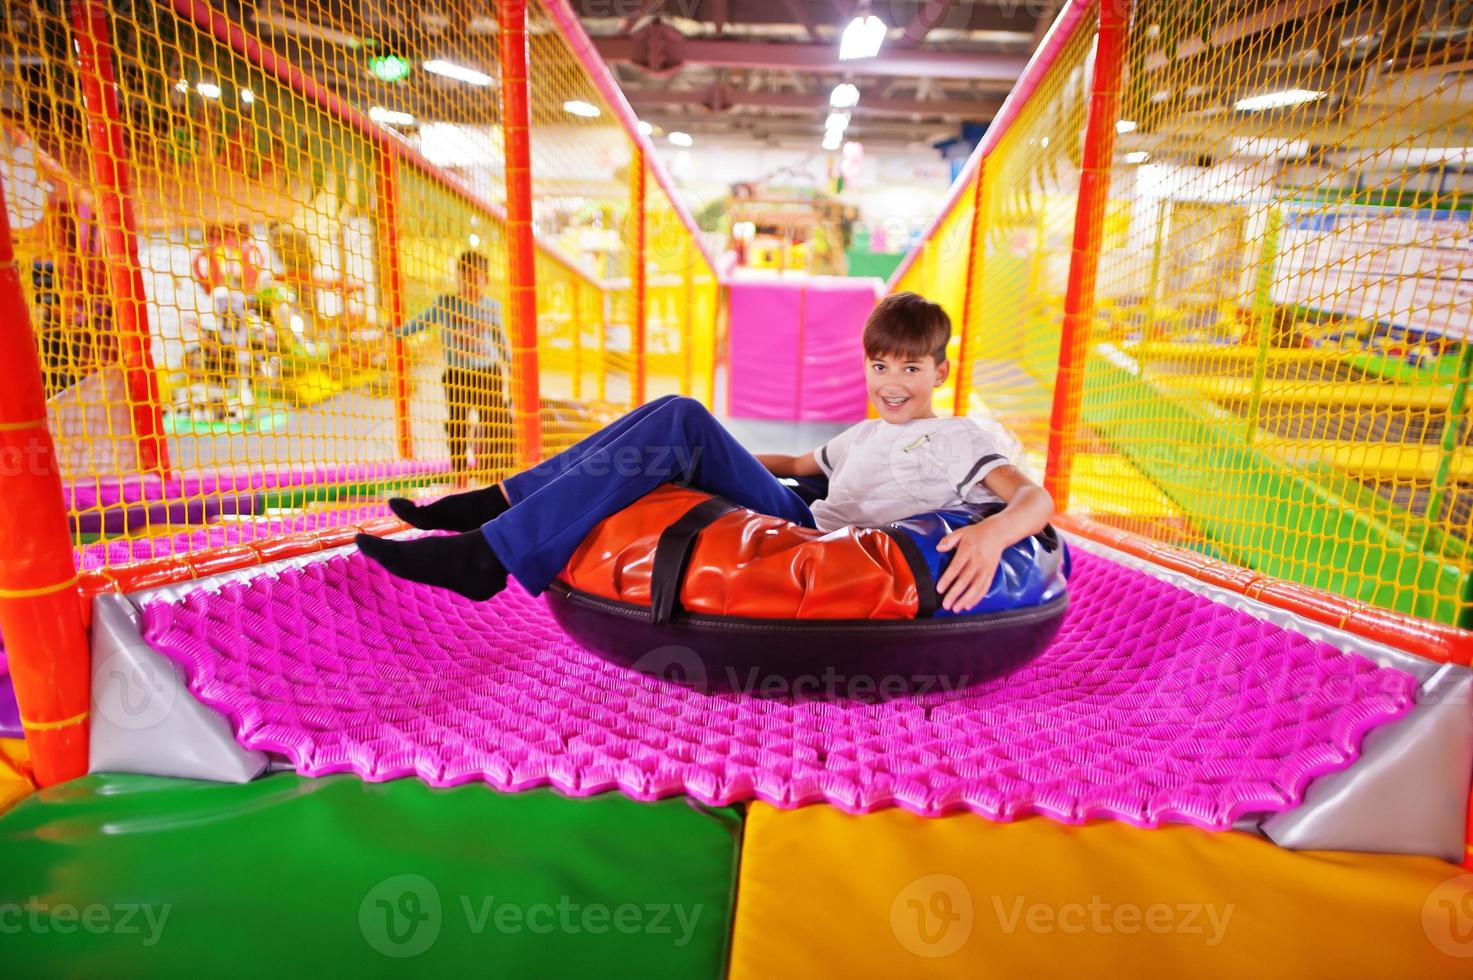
457 512
463 563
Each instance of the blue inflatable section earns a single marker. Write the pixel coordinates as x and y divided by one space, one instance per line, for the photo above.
1031 572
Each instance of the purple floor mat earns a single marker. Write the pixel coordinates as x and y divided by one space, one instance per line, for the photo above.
1153 705
88 494
9 711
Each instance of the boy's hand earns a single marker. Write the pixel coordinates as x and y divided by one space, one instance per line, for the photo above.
979 548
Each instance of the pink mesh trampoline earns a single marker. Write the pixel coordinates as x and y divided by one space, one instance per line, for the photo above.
1154 705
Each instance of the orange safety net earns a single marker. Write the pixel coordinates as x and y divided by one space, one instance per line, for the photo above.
269 278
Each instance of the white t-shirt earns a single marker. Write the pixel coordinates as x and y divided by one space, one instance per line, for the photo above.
880 472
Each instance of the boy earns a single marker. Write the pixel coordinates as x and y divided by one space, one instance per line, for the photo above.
906 462
476 359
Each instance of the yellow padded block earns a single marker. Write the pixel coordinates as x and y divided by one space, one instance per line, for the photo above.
825 894
15 772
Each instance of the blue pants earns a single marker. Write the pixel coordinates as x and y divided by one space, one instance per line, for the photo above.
556 503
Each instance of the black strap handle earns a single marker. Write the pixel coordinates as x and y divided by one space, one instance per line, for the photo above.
672 555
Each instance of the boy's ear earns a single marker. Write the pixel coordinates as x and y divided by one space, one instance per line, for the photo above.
942 371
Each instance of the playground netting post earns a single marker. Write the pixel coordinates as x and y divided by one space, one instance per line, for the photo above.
40 616
521 280
386 193
111 176
638 268
970 300
1084 260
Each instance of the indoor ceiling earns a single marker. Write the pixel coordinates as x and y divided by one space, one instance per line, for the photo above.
764 69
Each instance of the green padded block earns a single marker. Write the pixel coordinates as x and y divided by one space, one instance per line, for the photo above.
139 876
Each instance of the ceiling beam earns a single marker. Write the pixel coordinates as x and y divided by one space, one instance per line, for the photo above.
719 99
645 9
965 15
788 129
928 15
801 16
660 49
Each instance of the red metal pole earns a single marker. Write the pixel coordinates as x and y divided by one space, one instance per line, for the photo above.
387 194
963 367
109 159
521 276
1079 297
636 271
40 614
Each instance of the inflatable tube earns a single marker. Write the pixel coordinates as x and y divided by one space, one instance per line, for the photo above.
692 587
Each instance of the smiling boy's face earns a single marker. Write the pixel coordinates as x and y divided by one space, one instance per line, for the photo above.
470 283
900 386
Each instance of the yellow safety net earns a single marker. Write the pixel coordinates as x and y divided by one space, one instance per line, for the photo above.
266 259
1285 293
1278 361
1019 259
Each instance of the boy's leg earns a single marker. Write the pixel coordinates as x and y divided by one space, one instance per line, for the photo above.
469 510
528 481
674 439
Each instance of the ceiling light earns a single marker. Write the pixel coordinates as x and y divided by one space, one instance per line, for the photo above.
475 241
208 89
247 96
681 139
844 96
580 108
182 85
862 38
1137 156
1278 100
388 68
390 117
645 128
460 73
836 121
1043 142
1125 125
832 139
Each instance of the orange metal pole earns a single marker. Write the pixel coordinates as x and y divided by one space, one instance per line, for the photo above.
387 195
521 276
1079 297
636 270
40 615
109 162
963 368
577 315
603 354
688 334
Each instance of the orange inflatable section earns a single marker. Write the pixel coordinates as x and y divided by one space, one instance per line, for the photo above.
748 564
891 894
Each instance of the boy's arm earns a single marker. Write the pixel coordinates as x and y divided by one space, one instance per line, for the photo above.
781 464
427 319
979 546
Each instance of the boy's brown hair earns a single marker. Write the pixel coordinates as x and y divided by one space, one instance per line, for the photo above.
908 326
472 261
